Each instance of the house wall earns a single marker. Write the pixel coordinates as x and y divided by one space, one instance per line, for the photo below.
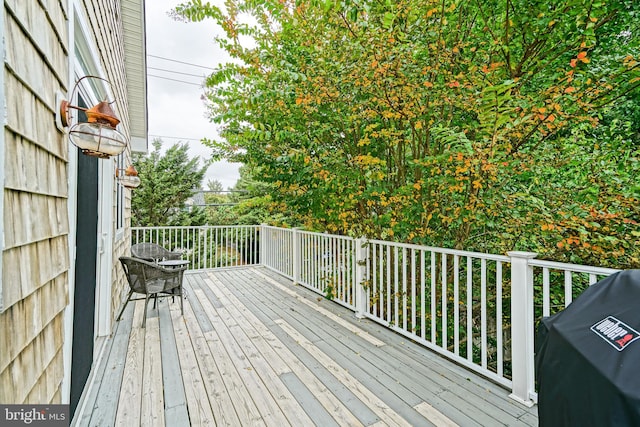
35 258
36 265
105 21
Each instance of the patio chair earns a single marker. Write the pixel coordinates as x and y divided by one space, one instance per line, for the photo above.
151 280
153 252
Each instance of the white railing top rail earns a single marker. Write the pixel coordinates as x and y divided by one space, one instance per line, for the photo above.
492 257
575 268
326 235
273 227
181 227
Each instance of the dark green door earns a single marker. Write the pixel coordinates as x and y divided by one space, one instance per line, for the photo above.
85 271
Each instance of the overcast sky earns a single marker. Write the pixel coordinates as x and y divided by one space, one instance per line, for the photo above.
176 111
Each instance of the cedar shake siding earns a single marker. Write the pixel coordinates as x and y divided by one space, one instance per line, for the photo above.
38 206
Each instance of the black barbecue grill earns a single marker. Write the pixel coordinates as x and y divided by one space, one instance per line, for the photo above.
588 357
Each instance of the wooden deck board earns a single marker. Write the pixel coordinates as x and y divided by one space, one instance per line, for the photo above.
152 406
380 366
333 395
105 405
270 411
405 375
361 410
211 351
129 402
305 398
92 390
411 363
196 395
328 346
175 400
252 349
194 302
260 364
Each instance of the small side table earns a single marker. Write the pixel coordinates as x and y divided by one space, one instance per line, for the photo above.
176 264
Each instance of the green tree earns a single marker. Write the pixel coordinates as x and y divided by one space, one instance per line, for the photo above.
216 194
249 204
218 204
214 185
168 181
459 124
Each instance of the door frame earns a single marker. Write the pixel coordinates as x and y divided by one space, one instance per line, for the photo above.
84 60
85 267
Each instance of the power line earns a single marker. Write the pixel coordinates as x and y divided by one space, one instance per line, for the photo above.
175 80
223 191
175 72
181 62
217 204
175 137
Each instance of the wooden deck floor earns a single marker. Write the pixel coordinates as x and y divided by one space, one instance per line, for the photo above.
253 350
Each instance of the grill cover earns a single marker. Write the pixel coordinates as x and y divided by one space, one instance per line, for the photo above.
588 357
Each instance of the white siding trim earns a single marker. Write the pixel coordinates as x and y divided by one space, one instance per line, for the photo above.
3 116
135 61
106 221
139 145
72 171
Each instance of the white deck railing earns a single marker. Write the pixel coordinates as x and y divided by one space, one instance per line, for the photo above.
205 246
450 301
480 310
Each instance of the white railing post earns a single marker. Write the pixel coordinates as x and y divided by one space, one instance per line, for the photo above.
522 333
297 258
263 244
206 248
360 266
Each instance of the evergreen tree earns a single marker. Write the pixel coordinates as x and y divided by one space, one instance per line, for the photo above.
169 180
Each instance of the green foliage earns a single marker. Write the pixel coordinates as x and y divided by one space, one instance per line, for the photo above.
249 203
484 125
168 181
